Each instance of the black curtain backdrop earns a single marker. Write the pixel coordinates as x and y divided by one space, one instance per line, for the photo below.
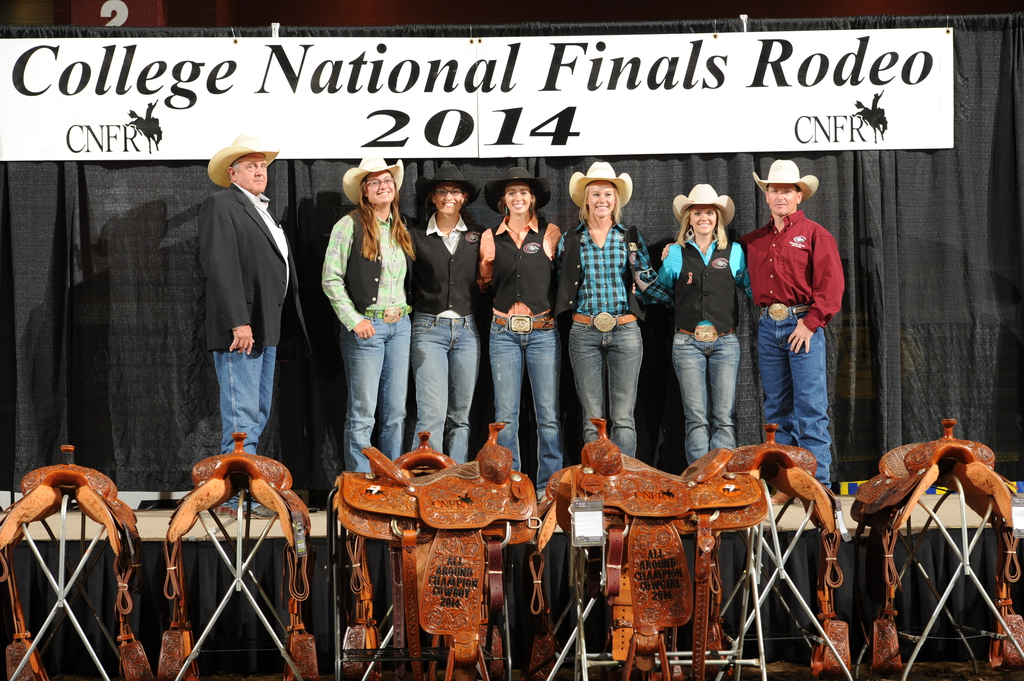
101 293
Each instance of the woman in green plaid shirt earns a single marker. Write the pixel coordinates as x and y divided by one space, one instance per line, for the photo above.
367 276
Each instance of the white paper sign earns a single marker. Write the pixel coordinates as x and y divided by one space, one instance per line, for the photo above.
185 98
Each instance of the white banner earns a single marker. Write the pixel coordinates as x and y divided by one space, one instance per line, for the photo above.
185 98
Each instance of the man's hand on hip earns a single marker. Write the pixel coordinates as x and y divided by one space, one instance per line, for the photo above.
243 341
801 336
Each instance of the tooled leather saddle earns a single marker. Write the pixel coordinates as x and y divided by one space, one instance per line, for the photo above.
647 580
446 530
96 495
217 479
791 470
884 503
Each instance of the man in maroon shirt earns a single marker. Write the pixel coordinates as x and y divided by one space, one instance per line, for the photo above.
797 279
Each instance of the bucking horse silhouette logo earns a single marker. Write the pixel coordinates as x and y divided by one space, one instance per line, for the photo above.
148 126
875 116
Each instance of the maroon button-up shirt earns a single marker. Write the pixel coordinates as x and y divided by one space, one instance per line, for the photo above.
798 266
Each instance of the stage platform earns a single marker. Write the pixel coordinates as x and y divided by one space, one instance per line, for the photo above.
240 645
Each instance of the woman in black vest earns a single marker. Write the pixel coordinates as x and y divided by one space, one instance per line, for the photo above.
367 275
445 341
699 277
517 258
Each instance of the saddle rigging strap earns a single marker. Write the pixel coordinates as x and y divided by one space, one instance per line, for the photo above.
361 633
178 641
543 646
705 544
34 670
1003 655
837 631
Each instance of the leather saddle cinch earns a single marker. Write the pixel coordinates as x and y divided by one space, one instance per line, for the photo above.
217 479
96 494
446 530
884 503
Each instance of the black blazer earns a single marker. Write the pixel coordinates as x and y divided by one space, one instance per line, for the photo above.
245 278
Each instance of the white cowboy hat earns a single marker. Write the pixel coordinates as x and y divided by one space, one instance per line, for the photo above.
786 172
600 171
243 145
704 195
353 179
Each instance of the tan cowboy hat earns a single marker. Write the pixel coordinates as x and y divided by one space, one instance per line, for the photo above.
353 179
600 171
786 172
243 145
704 195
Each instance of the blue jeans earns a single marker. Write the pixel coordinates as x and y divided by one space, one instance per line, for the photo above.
377 375
541 353
445 362
246 388
607 367
796 390
707 370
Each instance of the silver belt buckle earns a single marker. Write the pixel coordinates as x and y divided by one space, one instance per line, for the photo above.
604 322
392 315
706 333
520 323
778 311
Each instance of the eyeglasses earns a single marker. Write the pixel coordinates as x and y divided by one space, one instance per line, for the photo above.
445 192
374 184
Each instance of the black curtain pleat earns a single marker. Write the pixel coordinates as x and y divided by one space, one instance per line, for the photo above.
101 293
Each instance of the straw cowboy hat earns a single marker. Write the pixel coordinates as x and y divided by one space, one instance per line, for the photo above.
494 191
353 180
446 173
786 172
600 171
243 145
704 195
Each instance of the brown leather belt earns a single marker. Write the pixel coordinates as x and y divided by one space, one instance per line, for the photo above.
604 321
524 323
706 333
779 311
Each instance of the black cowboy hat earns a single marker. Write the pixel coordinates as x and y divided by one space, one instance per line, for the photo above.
446 173
495 189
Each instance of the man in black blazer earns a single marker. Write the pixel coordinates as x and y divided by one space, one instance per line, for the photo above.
253 315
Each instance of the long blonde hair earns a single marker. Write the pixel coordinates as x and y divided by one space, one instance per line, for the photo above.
371 233
686 231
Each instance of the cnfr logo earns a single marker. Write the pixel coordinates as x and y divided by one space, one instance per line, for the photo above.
844 128
118 137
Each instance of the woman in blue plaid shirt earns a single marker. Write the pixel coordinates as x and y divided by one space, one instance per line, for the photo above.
601 266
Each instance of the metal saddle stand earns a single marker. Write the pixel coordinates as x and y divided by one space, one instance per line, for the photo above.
239 566
961 550
765 542
62 586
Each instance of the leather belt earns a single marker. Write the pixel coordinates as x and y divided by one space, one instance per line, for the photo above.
604 321
779 312
706 333
524 323
388 315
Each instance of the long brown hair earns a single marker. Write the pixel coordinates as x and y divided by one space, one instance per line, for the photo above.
371 234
